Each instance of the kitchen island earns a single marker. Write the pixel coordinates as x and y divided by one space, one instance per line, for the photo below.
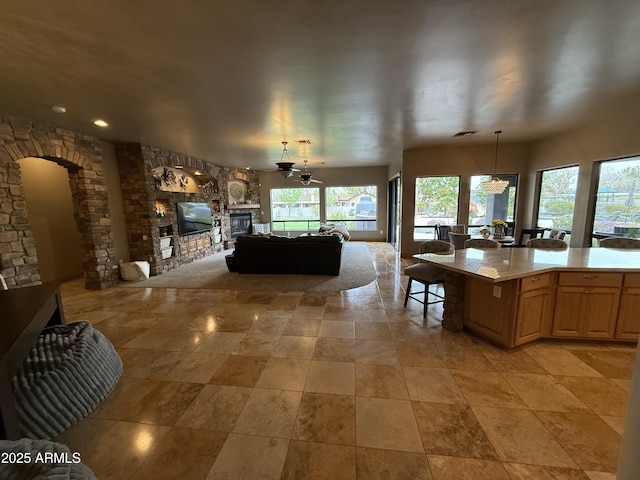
513 296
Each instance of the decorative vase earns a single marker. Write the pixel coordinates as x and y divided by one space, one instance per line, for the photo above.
498 232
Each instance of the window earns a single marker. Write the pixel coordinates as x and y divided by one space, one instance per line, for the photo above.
617 212
355 206
295 209
484 208
436 202
557 199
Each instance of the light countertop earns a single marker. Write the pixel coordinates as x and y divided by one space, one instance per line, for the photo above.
503 264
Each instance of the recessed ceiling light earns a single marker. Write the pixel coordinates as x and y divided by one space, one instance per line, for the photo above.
248 167
178 166
59 108
197 172
100 123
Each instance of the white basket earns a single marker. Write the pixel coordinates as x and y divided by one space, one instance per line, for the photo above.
135 270
167 252
165 242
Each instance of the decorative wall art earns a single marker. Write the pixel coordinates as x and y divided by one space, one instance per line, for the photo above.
170 179
237 189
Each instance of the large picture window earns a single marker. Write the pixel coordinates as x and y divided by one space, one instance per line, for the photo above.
557 199
483 208
295 209
617 207
356 206
436 202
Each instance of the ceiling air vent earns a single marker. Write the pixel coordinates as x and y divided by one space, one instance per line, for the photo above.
465 134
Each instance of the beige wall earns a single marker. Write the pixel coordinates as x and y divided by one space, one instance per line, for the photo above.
50 208
335 177
112 180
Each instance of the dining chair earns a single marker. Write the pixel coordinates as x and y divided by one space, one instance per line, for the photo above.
458 239
547 243
427 275
457 229
557 234
481 243
620 242
528 233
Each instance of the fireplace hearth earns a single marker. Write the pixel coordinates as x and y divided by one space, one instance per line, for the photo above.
240 224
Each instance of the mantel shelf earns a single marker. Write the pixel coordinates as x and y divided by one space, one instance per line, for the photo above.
239 206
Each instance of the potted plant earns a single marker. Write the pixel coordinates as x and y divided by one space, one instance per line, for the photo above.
247 196
499 227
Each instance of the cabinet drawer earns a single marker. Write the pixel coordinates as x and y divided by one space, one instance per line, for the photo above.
590 279
632 280
534 282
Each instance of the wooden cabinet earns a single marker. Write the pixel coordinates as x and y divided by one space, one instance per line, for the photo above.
628 327
535 307
586 305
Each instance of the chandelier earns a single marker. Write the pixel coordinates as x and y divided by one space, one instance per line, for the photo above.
495 186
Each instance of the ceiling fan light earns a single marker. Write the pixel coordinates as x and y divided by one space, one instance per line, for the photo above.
495 186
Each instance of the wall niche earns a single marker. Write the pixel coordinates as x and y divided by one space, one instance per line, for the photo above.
153 182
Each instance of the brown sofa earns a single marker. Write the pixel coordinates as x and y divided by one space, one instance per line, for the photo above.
306 254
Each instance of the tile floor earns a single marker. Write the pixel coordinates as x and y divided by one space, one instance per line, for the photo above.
235 385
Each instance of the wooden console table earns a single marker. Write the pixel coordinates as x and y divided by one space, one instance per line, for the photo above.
516 295
25 313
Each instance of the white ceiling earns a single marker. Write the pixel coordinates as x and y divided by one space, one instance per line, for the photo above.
227 81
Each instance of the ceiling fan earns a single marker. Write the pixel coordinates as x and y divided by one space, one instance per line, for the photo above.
305 176
285 168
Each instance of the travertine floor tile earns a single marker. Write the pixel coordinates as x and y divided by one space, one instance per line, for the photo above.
373 331
592 443
375 464
487 388
308 460
456 468
335 350
256 344
432 385
452 430
331 377
337 329
220 342
518 471
381 381
375 351
249 457
216 407
519 437
284 374
419 354
512 361
611 364
197 367
562 362
270 413
326 418
601 395
182 453
388 424
295 347
239 370
302 327
544 392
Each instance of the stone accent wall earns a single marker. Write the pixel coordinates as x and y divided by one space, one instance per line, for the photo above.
139 194
81 155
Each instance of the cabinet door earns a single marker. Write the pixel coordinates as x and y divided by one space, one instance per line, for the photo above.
628 326
533 309
567 317
601 312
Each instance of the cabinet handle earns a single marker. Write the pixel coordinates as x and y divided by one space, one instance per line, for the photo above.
589 276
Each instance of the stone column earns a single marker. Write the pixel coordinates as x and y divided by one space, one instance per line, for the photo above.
453 316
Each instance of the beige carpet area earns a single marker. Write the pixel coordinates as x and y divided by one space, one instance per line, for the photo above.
211 272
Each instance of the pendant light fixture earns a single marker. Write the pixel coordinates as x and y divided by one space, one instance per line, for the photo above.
495 186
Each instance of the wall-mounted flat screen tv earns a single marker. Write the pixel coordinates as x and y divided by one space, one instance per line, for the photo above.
193 217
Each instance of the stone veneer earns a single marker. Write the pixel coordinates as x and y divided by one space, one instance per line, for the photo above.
139 195
81 155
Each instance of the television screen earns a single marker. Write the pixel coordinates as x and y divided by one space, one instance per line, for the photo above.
193 217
